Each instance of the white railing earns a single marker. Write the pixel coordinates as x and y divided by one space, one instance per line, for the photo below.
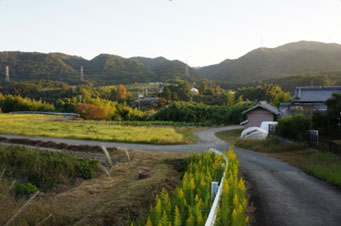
213 212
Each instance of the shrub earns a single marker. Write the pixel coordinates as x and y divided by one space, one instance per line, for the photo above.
25 189
328 123
294 127
9 103
191 201
201 113
45 168
85 169
89 111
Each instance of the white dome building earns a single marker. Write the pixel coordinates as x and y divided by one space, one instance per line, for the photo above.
194 91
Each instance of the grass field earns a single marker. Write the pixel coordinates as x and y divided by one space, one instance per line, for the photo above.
322 165
48 126
113 199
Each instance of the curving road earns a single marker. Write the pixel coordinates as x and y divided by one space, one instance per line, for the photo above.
283 195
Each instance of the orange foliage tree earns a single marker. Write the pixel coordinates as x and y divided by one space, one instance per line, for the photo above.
89 111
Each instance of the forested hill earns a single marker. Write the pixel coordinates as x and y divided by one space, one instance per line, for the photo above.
35 66
266 63
103 69
166 69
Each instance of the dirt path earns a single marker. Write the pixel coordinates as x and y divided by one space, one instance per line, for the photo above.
283 195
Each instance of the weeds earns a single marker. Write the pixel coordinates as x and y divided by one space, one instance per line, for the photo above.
44 168
325 166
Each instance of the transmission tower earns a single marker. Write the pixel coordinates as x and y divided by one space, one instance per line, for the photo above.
82 74
7 74
187 69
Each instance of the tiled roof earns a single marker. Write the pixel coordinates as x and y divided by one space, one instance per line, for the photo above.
265 106
315 93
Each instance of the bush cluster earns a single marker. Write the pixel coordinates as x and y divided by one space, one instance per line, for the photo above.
191 201
25 189
294 127
44 168
9 103
200 113
328 123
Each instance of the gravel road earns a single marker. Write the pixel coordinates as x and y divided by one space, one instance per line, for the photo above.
283 195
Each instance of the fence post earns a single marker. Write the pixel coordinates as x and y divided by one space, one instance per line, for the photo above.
214 188
314 138
272 129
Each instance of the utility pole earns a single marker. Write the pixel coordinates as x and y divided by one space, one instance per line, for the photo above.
7 74
82 74
187 70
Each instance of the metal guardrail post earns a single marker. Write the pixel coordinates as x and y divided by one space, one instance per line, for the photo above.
214 188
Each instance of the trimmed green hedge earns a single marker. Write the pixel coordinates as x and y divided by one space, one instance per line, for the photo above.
201 113
294 127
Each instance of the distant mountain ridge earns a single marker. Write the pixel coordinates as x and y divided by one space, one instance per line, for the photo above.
166 69
266 63
260 64
103 69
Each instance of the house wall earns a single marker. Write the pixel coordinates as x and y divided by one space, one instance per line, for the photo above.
257 116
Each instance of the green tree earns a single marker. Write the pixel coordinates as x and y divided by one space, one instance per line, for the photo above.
203 86
184 91
167 93
175 96
334 106
230 97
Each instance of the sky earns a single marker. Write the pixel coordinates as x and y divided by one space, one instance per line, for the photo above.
201 32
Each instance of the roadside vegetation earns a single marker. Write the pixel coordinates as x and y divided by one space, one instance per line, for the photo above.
323 165
190 203
114 197
41 125
44 169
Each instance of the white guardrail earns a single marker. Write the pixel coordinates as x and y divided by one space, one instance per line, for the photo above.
213 212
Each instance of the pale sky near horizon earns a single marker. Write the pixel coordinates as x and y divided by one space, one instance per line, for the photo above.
202 31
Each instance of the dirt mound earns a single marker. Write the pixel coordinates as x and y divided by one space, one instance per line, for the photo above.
55 145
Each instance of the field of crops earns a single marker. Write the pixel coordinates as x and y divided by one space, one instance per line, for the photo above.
50 126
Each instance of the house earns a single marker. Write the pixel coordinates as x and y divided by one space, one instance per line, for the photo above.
308 99
146 102
312 98
259 113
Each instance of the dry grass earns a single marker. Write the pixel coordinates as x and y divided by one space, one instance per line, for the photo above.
103 200
324 166
230 136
